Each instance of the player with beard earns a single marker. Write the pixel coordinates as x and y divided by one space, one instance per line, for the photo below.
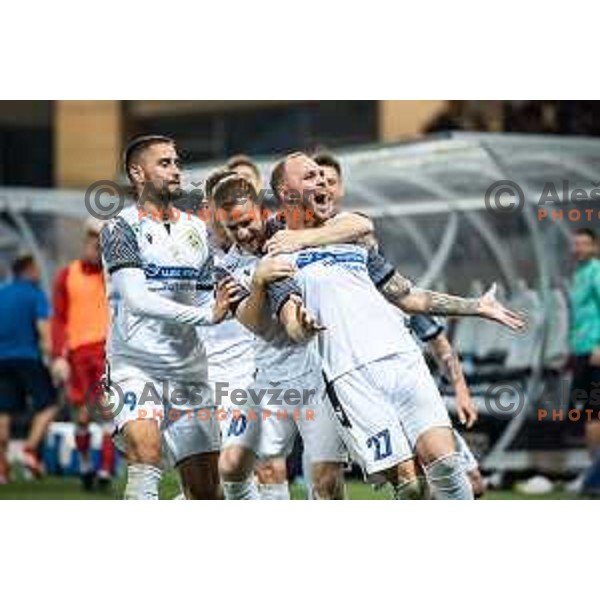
159 283
230 346
291 367
367 351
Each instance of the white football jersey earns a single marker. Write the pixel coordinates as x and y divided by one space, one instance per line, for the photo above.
229 345
361 326
277 357
177 265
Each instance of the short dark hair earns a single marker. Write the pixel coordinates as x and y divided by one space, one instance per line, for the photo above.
242 160
22 263
229 189
587 231
278 173
136 146
326 159
214 178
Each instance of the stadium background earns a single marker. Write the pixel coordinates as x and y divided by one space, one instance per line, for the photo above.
420 168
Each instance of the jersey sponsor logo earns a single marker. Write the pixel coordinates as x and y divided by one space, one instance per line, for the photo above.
153 271
328 257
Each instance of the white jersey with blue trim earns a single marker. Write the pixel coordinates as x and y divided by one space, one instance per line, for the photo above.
361 326
177 265
230 346
277 357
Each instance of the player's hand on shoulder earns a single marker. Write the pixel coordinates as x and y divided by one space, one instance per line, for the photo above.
284 241
271 269
228 293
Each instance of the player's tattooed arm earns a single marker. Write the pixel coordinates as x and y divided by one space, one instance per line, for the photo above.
430 302
450 366
340 229
416 301
254 311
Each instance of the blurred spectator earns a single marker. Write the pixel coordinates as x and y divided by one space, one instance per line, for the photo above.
24 348
79 331
584 338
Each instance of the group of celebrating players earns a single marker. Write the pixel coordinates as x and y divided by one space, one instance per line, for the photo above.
303 305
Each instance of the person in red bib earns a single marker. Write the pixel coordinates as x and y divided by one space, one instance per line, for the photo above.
79 329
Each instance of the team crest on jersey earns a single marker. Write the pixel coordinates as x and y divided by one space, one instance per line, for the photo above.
193 239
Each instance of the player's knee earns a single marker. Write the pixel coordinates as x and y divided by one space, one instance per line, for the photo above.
147 454
328 482
143 443
235 463
272 471
447 478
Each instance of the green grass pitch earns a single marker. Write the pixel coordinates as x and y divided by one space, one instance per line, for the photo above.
59 488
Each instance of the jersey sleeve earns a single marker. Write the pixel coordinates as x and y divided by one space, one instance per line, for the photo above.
425 328
120 249
380 270
279 292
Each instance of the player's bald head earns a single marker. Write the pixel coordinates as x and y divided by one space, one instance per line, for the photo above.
279 172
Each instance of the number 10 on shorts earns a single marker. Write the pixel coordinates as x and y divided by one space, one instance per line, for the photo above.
381 443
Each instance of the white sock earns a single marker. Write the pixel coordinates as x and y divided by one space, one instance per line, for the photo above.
448 479
240 490
142 482
274 491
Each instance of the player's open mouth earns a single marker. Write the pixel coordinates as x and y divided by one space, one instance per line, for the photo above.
321 198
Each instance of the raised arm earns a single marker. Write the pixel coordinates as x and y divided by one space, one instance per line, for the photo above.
343 228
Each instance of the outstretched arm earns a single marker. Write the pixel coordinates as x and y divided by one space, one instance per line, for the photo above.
416 301
399 291
343 228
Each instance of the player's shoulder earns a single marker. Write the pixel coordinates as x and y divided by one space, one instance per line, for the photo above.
127 219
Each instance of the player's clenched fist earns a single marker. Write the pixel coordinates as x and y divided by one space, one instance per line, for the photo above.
271 269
